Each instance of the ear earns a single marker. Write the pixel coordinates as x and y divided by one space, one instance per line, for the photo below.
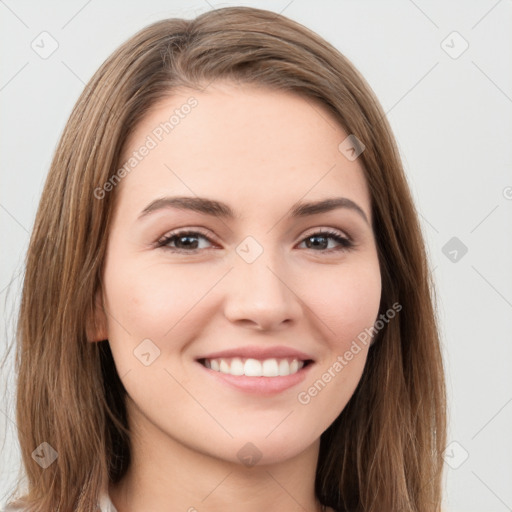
97 327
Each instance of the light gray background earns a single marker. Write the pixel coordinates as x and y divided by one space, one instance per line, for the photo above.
452 120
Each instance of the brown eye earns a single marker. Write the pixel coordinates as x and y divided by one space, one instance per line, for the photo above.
319 241
183 241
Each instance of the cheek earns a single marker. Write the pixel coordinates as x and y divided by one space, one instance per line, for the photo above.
346 301
348 305
148 301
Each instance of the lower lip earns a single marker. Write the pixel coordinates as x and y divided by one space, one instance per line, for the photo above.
260 385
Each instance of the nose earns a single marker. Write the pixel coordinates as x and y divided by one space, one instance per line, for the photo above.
262 296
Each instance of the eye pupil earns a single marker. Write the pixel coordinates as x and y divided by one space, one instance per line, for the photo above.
313 237
187 244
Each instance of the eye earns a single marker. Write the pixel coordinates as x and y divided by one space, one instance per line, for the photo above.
320 240
187 241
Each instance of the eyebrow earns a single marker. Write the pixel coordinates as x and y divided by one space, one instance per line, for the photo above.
224 211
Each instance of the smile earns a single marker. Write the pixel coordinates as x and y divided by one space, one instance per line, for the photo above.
272 367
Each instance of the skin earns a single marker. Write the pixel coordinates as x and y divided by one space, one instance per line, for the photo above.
259 151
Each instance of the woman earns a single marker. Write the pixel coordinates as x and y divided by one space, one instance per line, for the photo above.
227 300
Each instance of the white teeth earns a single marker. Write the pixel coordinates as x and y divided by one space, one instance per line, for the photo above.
255 368
237 367
284 367
252 368
270 368
224 366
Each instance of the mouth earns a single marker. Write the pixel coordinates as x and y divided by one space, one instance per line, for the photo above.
257 369
251 367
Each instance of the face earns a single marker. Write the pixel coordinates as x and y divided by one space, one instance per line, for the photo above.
235 329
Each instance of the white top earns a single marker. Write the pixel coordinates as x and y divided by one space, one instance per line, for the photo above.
105 503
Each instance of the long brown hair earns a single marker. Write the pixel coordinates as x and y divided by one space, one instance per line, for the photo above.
384 452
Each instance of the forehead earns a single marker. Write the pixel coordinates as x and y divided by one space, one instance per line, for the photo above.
249 146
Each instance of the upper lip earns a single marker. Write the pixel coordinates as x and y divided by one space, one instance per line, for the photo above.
258 352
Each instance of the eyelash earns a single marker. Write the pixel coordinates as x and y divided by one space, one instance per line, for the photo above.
345 243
